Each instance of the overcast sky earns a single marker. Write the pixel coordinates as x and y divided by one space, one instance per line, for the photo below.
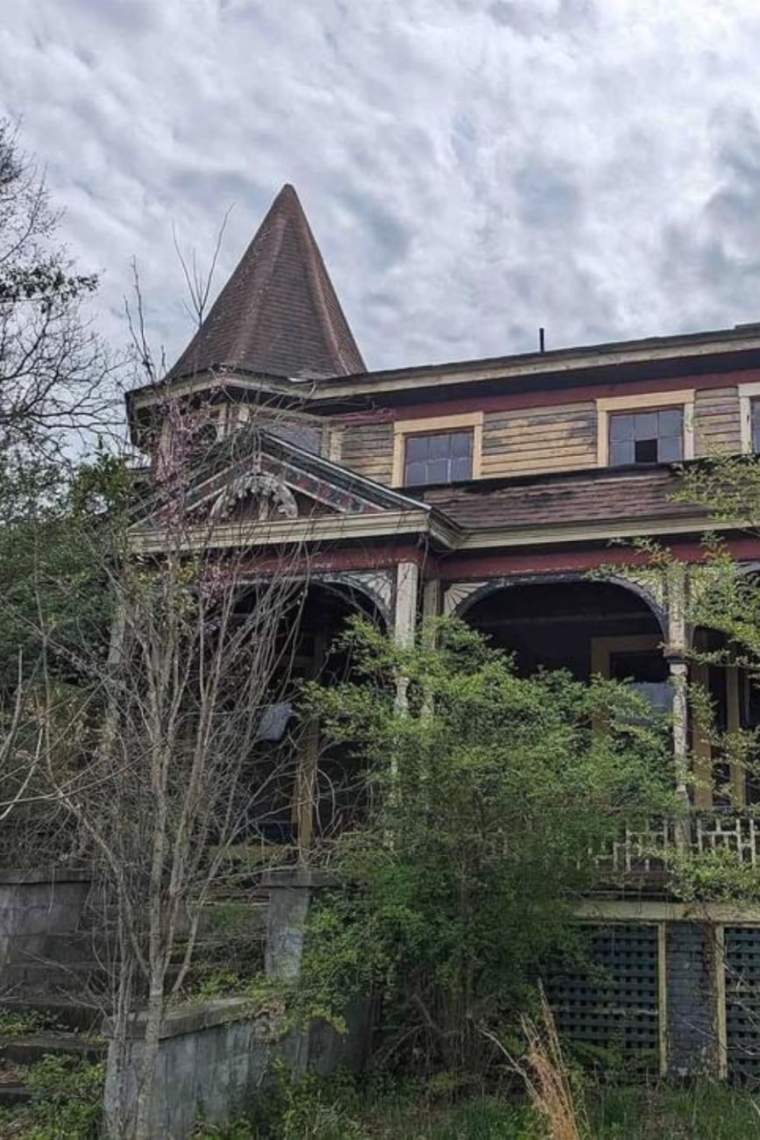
472 168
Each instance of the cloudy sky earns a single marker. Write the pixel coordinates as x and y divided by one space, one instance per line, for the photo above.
472 168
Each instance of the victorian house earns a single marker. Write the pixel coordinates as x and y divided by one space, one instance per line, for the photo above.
490 489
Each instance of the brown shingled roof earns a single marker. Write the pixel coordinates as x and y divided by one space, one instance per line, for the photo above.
569 498
278 313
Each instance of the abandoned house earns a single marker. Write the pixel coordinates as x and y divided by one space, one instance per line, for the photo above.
489 489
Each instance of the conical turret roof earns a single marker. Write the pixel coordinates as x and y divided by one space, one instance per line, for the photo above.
278 313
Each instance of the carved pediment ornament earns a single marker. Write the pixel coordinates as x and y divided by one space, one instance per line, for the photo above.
270 495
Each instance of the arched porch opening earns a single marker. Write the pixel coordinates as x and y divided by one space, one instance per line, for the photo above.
586 627
311 791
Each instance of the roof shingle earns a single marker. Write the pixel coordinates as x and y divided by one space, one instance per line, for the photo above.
278 313
570 498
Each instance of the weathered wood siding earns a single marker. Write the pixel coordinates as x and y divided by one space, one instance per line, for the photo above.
526 441
716 421
557 438
368 450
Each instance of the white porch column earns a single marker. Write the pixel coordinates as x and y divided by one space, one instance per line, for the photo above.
405 618
675 651
432 600
405 608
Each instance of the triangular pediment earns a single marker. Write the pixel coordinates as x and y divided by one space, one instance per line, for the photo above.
269 478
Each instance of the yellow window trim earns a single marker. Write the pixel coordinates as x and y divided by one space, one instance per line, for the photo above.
747 392
683 398
404 428
602 649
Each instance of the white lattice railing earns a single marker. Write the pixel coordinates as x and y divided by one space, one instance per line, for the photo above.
639 850
642 850
736 832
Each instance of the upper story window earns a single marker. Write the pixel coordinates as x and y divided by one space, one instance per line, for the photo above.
442 457
438 449
647 436
749 416
652 427
755 424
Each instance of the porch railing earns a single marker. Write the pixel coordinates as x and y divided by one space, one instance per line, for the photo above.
643 850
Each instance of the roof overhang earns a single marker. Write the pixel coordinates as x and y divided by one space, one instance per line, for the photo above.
654 357
307 532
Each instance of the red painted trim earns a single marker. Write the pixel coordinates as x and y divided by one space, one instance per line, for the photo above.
324 561
515 400
500 565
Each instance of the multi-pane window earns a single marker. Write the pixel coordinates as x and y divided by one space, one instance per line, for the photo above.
442 457
646 437
755 412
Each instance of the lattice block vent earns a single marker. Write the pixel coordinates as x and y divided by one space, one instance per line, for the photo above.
610 1006
742 963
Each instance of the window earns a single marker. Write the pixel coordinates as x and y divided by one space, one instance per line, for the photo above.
651 427
442 457
755 419
652 436
438 449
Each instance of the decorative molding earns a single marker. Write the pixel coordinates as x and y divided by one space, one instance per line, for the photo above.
684 397
376 585
272 495
458 592
430 425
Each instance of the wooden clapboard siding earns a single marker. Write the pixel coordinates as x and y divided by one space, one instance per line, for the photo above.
716 420
368 450
556 438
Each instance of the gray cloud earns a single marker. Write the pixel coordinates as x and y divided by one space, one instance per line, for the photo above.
472 168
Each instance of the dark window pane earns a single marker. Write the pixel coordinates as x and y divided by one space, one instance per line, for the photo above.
621 427
645 425
670 422
440 446
415 473
670 449
461 444
645 451
438 458
461 468
416 447
437 471
621 452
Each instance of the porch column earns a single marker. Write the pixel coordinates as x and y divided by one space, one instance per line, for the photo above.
675 652
432 599
405 608
405 619
308 762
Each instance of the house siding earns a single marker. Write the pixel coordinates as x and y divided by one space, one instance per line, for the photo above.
553 438
716 420
368 450
558 438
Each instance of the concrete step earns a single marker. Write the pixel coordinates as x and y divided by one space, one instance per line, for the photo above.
69 1015
13 1094
36 979
33 1047
67 948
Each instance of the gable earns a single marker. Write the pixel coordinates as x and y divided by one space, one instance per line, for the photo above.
275 479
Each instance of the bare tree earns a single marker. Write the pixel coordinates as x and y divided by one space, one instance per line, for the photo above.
55 374
199 663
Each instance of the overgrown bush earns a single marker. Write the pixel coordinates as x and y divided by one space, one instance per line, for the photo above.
489 793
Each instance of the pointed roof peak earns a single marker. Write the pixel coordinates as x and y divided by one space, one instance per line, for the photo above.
279 312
